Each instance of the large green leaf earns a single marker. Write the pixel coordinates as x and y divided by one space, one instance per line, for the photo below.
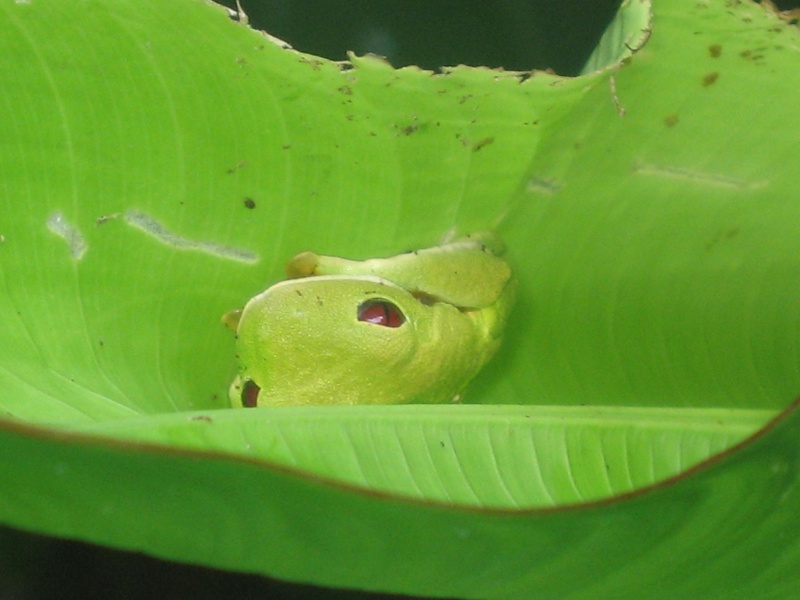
649 212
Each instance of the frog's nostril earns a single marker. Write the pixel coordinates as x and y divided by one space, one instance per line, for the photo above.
250 394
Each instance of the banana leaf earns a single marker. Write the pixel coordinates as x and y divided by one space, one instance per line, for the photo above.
637 434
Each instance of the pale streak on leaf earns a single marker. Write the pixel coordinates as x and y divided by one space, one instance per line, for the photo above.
69 233
144 222
695 176
543 185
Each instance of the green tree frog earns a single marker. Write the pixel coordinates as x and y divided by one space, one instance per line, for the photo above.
416 327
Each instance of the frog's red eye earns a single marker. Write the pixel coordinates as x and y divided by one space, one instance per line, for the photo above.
381 312
250 394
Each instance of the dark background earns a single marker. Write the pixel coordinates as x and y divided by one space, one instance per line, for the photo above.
514 34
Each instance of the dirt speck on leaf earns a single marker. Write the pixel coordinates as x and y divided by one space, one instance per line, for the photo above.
482 143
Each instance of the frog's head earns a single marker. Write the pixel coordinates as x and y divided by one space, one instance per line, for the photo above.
337 339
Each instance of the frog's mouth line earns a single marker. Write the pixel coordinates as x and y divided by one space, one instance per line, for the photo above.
250 391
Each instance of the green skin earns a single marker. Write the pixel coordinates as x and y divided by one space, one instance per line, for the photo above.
301 341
